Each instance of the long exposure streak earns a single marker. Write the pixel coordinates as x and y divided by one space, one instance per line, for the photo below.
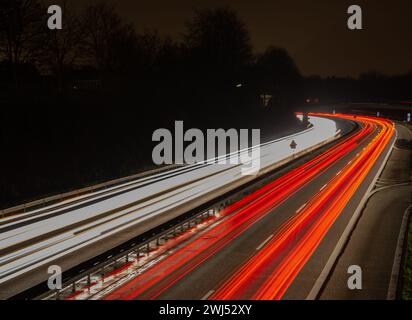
269 273
300 237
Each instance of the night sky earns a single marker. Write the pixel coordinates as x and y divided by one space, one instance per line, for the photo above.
314 32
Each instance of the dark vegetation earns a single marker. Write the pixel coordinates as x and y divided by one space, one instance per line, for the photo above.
369 87
406 293
79 105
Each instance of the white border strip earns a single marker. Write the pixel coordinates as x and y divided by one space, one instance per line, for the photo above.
396 268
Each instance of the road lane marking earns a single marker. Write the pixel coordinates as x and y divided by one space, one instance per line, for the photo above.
264 242
207 295
301 208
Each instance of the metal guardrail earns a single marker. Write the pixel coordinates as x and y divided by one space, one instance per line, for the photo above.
98 272
64 196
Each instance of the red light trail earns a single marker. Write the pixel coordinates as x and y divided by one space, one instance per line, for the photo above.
294 242
303 233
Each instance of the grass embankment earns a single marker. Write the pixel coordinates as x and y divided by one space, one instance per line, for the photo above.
407 272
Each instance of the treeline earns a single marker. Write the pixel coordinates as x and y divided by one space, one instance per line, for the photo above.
212 69
79 105
369 87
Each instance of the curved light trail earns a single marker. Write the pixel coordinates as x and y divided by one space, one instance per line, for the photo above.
35 239
268 273
285 255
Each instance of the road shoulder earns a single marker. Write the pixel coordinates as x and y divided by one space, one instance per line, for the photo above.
374 241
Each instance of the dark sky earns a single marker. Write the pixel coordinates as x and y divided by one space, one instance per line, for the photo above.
314 32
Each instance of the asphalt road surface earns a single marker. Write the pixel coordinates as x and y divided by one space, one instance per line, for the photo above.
275 242
373 243
70 232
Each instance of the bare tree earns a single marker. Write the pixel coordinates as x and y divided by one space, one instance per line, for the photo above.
107 38
21 24
219 38
63 47
278 75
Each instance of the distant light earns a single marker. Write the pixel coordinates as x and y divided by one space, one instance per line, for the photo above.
239 85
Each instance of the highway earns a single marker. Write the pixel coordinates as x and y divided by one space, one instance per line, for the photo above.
375 242
274 243
72 231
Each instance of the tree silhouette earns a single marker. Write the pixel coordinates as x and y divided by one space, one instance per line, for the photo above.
219 43
278 76
63 47
109 41
21 29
